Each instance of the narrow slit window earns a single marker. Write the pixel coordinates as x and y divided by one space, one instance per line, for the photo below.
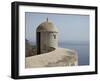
54 36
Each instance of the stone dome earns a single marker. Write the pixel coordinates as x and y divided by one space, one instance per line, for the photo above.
46 26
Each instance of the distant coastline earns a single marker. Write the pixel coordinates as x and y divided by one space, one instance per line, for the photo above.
66 42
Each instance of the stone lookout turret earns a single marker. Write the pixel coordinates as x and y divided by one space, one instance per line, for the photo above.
47 37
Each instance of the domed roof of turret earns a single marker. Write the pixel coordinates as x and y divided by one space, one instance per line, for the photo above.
46 26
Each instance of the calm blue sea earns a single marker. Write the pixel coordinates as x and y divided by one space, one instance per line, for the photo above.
81 47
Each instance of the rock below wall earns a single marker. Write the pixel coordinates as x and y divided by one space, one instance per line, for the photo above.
58 57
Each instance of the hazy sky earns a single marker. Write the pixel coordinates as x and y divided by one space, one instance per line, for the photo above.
71 27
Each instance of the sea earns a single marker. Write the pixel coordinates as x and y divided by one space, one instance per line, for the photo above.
82 49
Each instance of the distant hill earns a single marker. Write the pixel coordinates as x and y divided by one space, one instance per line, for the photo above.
30 50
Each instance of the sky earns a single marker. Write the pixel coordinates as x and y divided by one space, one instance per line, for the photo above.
71 27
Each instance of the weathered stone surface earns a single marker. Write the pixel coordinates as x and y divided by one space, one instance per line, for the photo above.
58 57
